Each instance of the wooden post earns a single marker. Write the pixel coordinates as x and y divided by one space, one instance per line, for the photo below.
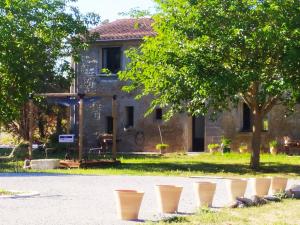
80 135
30 125
114 115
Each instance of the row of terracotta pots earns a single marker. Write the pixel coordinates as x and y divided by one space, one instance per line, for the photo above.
263 185
129 201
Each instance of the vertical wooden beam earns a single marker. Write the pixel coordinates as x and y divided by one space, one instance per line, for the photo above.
80 133
114 116
30 124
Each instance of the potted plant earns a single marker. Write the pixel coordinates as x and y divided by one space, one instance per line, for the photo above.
213 147
168 197
205 192
162 148
225 144
128 203
273 147
243 148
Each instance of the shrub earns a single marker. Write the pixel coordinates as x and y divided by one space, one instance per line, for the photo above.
273 144
213 146
161 146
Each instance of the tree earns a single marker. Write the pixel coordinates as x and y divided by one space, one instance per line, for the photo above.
36 39
208 55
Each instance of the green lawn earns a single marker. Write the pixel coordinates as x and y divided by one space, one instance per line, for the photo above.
232 164
283 213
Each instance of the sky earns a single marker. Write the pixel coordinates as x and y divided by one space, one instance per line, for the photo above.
109 9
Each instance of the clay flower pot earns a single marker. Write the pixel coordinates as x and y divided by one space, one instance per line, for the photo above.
273 150
128 203
168 197
205 192
261 186
278 184
237 188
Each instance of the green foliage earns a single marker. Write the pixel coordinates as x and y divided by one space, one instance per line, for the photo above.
21 151
213 146
273 143
5 192
225 141
36 39
161 146
136 13
208 55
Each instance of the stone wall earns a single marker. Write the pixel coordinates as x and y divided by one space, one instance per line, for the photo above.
229 125
144 135
177 132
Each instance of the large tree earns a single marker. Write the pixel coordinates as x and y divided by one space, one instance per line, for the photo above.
208 55
37 37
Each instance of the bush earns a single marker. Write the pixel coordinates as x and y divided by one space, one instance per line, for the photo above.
21 151
213 146
273 144
161 146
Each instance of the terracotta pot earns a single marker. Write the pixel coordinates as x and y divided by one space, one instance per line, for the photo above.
128 203
168 197
213 150
261 186
205 192
273 150
237 188
278 184
243 150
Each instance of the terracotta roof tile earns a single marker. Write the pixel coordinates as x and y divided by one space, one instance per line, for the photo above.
125 29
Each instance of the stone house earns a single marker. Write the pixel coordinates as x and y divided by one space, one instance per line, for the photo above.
135 132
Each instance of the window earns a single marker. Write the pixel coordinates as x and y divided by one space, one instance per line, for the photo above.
111 59
109 124
247 121
158 114
265 124
129 116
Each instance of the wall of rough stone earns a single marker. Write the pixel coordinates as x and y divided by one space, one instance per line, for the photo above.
144 135
229 125
178 131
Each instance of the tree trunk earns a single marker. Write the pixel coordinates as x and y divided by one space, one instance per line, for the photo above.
256 139
41 125
59 129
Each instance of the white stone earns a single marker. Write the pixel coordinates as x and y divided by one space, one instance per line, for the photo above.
44 164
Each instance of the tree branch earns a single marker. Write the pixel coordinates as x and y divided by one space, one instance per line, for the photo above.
269 104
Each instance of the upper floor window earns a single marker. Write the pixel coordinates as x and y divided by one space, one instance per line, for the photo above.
111 59
158 114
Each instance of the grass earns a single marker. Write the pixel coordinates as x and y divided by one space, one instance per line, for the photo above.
233 164
5 192
283 213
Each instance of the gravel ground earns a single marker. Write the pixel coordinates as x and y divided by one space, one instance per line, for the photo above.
89 200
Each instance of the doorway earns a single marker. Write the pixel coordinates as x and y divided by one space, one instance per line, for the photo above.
198 134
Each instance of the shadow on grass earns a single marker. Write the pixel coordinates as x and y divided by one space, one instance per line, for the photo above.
203 167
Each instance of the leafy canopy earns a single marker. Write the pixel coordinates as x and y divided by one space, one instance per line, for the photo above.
209 53
36 38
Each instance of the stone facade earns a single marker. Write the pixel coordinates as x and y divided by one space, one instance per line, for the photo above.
179 132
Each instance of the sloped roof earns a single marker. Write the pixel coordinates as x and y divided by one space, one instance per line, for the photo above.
125 29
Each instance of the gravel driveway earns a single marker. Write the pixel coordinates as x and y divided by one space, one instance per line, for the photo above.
89 200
